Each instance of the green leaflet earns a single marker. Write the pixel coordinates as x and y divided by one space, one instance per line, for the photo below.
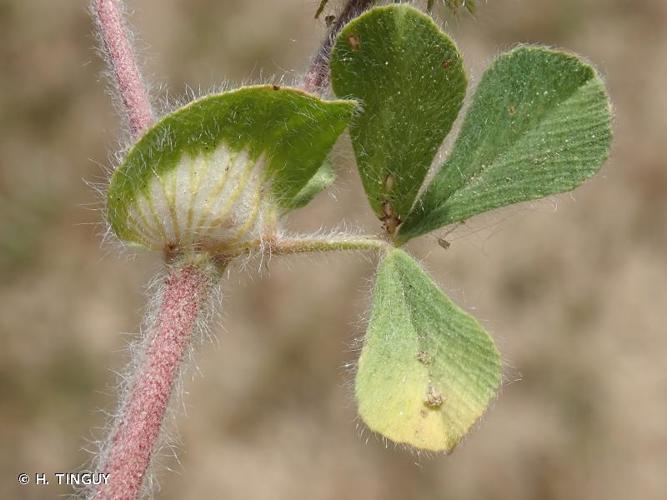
409 77
212 169
322 179
539 123
427 370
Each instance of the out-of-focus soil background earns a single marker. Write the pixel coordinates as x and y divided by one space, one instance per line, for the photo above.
576 297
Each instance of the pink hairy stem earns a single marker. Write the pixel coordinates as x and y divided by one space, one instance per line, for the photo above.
135 434
123 63
316 79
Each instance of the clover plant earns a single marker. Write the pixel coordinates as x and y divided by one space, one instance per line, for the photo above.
212 182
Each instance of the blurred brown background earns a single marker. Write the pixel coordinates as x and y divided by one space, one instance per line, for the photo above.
576 298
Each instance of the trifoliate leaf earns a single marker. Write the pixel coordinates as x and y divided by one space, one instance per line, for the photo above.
222 168
539 123
427 370
409 78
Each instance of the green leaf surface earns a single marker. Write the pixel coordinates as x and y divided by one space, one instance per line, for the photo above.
539 123
409 78
427 370
276 137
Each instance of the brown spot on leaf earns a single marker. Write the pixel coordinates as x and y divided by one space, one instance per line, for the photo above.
433 398
447 63
511 110
390 221
275 87
354 42
424 358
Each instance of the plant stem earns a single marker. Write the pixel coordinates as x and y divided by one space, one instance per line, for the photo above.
137 430
281 245
123 63
285 246
317 78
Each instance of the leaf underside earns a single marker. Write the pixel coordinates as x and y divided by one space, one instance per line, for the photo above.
427 370
291 131
409 78
539 124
